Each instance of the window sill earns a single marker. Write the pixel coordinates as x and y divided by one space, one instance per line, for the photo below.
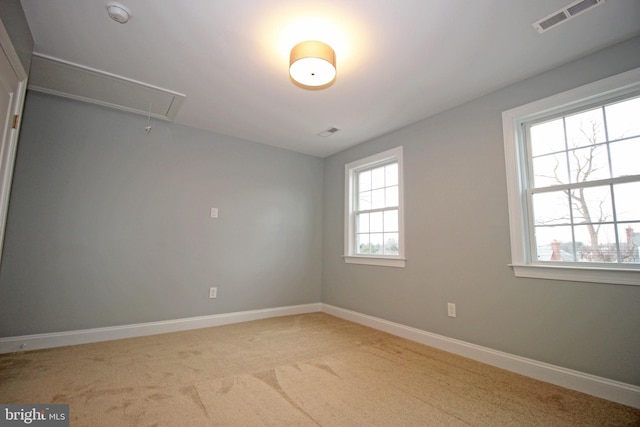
614 276
380 261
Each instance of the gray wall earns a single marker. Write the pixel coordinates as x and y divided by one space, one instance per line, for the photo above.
457 242
109 225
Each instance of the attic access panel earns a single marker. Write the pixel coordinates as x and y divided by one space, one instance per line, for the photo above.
57 77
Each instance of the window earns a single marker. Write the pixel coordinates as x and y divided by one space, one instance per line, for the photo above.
373 210
573 170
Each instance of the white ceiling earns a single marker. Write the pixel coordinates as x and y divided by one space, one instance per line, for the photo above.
398 61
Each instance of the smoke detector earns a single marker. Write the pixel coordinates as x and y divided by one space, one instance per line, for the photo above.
118 12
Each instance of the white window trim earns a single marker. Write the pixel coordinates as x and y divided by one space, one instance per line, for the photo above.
350 169
512 124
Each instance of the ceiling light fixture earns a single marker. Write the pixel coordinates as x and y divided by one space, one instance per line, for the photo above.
118 12
312 65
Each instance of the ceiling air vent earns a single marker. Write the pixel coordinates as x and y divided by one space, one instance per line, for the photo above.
559 16
328 132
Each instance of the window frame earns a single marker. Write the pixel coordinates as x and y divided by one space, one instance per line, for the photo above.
516 158
351 169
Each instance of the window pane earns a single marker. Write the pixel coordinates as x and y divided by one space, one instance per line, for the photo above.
592 204
589 164
391 174
391 244
373 210
377 246
586 128
622 119
362 223
625 157
377 199
629 235
377 178
547 137
391 196
554 243
551 208
575 196
363 245
364 201
627 201
364 181
596 243
375 222
390 221
550 170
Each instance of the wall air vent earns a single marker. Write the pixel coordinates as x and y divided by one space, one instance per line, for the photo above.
57 77
328 132
570 11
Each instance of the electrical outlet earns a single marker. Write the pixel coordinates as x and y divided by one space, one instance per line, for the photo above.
451 309
213 293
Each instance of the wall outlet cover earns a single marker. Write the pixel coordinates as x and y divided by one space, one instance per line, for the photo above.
451 309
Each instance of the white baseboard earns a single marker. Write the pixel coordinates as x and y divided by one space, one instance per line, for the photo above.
615 391
85 336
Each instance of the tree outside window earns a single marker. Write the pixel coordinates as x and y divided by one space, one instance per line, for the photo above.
584 187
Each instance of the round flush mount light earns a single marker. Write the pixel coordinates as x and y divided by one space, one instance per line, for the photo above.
312 65
118 12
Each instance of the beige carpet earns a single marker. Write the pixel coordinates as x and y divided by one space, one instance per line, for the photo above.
311 369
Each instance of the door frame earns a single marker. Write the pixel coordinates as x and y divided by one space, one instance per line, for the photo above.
8 148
